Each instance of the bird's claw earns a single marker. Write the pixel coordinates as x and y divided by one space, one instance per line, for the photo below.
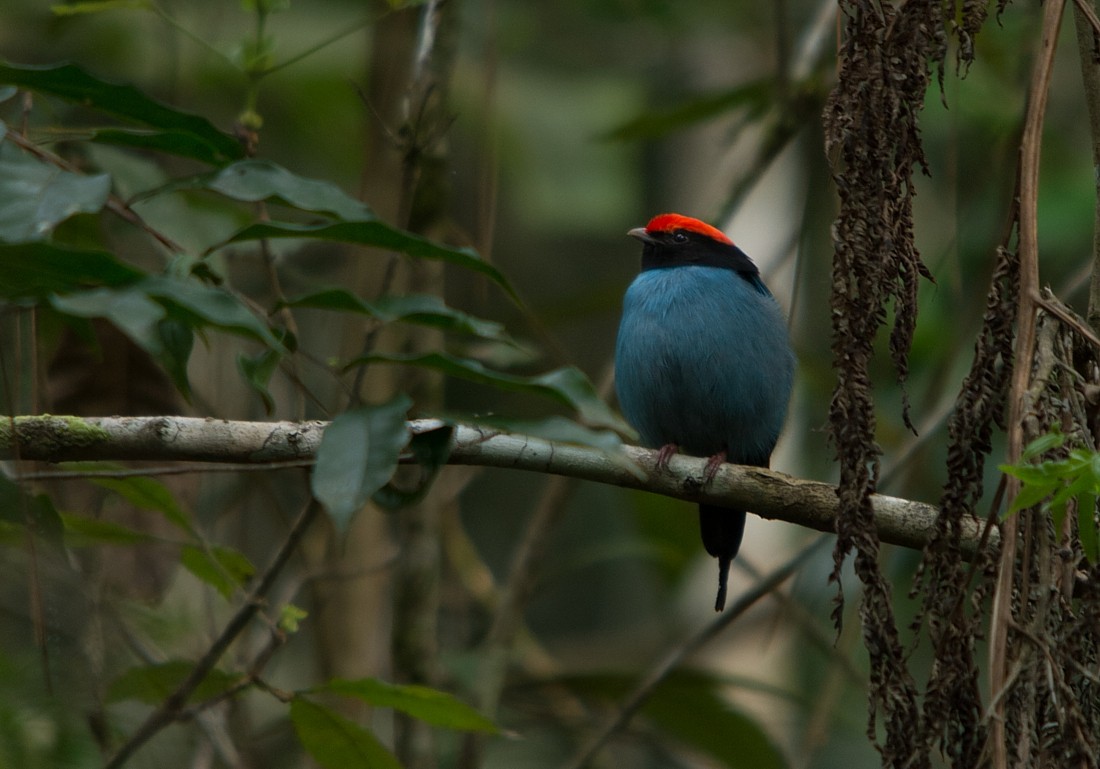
713 463
664 454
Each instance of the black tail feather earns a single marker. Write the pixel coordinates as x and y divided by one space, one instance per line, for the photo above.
722 529
723 581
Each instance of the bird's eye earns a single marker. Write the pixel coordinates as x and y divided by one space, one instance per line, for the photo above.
679 237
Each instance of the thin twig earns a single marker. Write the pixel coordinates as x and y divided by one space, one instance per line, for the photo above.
678 655
169 710
1030 149
1050 303
114 203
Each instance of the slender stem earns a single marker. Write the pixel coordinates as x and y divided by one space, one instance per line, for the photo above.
1030 150
114 204
173 705
1088 51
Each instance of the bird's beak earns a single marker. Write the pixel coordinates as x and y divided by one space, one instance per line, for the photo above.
641 234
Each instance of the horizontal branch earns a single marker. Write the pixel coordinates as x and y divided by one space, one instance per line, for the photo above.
767 493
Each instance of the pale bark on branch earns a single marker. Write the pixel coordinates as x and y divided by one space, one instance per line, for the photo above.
767 493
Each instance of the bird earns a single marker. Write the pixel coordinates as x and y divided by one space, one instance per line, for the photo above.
703 362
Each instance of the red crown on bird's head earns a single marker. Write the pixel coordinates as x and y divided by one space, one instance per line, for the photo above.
669 223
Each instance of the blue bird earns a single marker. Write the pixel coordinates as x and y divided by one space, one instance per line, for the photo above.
703 362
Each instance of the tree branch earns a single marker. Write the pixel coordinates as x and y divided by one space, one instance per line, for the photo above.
769 494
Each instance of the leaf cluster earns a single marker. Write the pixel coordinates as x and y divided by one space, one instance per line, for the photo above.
1059 485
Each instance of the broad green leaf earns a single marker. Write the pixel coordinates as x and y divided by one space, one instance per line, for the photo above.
38 269
223 568
428 310
70 82
1029 496
210 305
82 531
177 339
373 233
335 742
134 313
151 684
142 492
421 309
756 96
160 315
255 180
566 385
429 705
358 456
1044 473
1043 444
257 371
35 197
430 450
170 142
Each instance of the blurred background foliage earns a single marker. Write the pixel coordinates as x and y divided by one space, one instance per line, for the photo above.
570 122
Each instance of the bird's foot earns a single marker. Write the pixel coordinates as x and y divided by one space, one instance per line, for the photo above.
664 454
713 464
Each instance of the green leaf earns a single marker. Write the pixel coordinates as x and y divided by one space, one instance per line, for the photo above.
334 742
177 339
566 385
223 568
374 233
1029 496
430 449
70 82
1043 444
357 456
140 491
290 618
421 309
257 371
1086 526
82 531
179 143
429 705
39 269
35 197
151 684
254 180
756 96
160 314
132 311
1043 473
210 305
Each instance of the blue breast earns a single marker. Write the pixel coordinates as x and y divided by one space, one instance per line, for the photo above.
703 360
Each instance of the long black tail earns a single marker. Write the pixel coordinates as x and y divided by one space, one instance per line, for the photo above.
722 529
